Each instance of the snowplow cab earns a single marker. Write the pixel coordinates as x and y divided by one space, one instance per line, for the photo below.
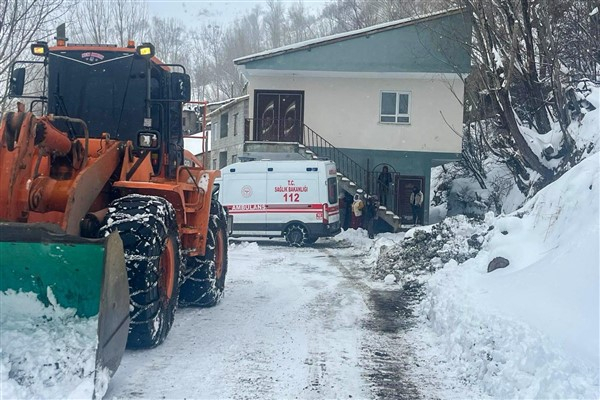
126 92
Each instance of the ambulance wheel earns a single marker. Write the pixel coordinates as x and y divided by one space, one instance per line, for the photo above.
312 240
203 280
148 229
296 235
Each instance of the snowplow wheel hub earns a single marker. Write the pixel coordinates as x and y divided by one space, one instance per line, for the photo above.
167 268
219 249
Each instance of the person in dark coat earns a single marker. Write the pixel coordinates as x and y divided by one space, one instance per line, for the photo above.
346 209
383 185
371 215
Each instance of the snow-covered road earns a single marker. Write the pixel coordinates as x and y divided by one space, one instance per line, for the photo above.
303 323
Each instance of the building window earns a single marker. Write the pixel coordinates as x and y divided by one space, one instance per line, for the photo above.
395 107
224 124
222 159
234 158
235 124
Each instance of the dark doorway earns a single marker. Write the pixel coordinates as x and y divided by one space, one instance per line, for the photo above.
404 187
278 115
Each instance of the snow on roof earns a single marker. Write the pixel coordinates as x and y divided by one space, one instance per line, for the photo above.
228 103
210 104
345 35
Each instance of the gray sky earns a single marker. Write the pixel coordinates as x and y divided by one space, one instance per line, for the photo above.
212 11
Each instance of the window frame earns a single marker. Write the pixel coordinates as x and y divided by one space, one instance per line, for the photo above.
224 120
397 114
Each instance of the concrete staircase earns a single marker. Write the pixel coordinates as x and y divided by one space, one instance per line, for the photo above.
346 184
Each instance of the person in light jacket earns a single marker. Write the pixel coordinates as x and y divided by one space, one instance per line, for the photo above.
416 201
357 206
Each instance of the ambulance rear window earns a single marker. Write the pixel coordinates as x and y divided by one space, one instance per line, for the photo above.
332 191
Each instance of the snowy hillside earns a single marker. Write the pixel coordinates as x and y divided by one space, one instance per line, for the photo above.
530 329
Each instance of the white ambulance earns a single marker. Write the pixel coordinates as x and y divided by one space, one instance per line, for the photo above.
296 199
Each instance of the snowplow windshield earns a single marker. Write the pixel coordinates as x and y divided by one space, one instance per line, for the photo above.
107 89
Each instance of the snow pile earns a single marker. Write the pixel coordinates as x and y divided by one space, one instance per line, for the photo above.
46 352
369 249
530 330
425 250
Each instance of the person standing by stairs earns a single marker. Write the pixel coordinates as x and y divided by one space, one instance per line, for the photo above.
357 207
416 201
346 201
383 185
371 215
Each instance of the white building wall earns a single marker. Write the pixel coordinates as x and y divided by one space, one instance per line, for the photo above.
233 142
345 110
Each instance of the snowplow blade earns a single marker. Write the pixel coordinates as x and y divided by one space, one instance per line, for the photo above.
87 275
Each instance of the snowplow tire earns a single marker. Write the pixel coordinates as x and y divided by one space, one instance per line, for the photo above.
148 229
296 235
203 278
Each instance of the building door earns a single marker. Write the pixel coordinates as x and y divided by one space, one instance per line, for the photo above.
278 115
404 187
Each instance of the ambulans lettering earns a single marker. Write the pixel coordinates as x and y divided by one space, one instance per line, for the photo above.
248 207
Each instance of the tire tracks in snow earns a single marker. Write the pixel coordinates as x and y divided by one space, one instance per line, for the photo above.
385 354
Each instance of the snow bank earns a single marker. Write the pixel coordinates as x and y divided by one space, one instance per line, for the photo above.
370 248
530 330
46 352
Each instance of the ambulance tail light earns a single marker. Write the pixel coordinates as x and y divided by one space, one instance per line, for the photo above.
325 213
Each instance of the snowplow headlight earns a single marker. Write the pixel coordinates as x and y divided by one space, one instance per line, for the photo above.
39 49
145 50
148 140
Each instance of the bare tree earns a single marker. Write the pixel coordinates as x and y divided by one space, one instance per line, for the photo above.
110 22
300 23
170 39
275 23
130 21
529 54
502 59
345 15
93 18
21 23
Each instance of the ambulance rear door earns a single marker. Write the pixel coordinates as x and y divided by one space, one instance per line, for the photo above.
243 193
331 195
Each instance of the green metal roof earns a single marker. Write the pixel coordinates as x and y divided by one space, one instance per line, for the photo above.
436 43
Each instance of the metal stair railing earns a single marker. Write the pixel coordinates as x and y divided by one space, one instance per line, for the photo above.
345 165
287 130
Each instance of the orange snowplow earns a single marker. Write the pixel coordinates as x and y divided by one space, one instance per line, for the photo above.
100 203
